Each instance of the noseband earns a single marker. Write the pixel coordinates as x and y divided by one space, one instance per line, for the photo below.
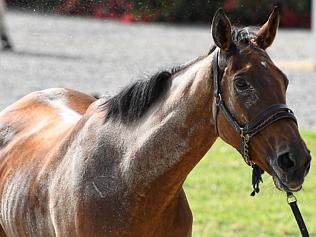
265 118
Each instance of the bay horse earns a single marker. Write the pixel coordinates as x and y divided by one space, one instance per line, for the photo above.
71 165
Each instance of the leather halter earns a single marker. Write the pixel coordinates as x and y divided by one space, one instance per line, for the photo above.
268 116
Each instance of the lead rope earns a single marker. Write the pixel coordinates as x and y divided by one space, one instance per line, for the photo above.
256 179
256 170
292 201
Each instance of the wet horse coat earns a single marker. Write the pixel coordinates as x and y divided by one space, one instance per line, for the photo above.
77 177
71 165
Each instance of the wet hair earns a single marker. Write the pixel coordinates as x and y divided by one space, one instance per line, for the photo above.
243 35
239 35
134 100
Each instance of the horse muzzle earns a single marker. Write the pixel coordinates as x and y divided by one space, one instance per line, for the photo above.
290 170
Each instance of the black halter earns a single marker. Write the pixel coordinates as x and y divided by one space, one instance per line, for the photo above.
270 115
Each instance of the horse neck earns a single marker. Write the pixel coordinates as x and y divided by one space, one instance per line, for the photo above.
151 157
176 135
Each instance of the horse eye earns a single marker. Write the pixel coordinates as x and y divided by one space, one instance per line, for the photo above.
241 84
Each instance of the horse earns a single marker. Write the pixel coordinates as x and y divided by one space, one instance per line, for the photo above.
6 44
72 165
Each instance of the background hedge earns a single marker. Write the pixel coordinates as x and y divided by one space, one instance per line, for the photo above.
245 12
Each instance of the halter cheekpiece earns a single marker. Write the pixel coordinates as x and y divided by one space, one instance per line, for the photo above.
268 116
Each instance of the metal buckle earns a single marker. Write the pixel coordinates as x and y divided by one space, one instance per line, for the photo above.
291 198
218 99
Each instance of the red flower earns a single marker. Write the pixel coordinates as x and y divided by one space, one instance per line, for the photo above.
289 18
128 18
230 5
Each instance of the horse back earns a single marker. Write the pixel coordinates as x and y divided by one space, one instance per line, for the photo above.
42 111
30 132
40 119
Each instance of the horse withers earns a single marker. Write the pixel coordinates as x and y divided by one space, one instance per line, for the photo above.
71 165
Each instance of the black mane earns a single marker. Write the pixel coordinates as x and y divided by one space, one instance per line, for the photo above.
133 101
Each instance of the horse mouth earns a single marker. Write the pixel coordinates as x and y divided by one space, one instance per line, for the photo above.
282 186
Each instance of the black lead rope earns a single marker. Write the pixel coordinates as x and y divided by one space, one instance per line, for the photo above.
291 200
256 179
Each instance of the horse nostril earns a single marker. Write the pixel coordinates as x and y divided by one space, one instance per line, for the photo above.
285 161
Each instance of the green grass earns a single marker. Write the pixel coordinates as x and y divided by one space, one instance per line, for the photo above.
218 192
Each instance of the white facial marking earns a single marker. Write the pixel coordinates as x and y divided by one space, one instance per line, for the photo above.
264 64
248 66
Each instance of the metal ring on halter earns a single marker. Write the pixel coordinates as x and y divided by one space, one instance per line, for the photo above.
218 99
291 198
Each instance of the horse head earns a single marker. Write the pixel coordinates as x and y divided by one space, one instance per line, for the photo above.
250 109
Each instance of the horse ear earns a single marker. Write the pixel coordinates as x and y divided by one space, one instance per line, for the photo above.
267 32
222 30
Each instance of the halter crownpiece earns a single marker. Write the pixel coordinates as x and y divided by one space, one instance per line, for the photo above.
265 118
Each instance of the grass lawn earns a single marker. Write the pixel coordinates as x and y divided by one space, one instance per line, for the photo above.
218 192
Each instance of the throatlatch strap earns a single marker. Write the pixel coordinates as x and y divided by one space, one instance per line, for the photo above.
256 179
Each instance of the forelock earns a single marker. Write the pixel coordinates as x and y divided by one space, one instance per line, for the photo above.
243 35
